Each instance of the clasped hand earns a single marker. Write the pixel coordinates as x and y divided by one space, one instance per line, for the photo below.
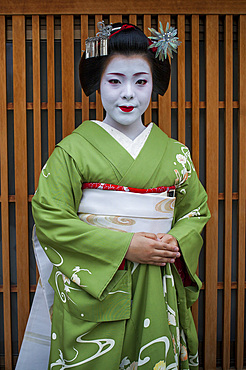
153 249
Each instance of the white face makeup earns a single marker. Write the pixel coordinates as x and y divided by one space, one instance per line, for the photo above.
126 88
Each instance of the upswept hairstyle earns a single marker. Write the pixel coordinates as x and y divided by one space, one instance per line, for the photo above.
128 41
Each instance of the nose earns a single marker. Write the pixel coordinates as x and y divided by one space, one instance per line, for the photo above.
127 91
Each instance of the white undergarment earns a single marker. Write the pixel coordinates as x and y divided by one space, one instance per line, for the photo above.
133 147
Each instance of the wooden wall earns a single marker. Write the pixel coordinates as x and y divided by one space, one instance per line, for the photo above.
214 127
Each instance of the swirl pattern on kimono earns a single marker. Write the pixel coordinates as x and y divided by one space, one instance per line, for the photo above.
107 221
45 175
62 295
66 281
163 339
58 254
76 279
165 206
194 360
102 343
120 220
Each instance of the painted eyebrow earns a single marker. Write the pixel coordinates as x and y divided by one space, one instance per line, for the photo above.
116 74
141 73
121 74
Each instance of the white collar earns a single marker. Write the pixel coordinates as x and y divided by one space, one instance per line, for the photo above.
132 146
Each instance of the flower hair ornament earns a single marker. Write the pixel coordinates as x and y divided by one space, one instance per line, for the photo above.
164 42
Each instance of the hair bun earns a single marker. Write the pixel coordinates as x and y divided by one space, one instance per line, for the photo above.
125 39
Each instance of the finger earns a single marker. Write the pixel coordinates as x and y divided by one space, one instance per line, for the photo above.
160 260
171 247
167 238
166 254
168 247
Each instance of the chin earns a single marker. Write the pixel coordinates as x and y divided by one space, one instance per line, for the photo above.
126 119
124 123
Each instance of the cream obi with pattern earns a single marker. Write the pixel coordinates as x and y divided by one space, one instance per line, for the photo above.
127 211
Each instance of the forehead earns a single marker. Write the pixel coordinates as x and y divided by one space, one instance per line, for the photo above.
127 65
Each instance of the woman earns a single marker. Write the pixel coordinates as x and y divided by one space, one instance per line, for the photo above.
124 270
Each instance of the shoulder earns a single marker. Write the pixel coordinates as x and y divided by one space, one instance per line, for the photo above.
173 144
78 144
177 147
72 141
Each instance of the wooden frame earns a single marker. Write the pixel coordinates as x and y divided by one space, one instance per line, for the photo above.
32 7
164 107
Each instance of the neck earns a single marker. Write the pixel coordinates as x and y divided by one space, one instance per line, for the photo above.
131 131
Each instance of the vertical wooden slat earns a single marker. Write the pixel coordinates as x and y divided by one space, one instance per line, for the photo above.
21 192
133 19
181 79
212 170
36 103
4 199
195 90
84 36
195 111
228 188
164 102
99 107
241 195
51 83
67 55
36 97
148 112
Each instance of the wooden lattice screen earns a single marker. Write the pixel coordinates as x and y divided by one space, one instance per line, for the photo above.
205 107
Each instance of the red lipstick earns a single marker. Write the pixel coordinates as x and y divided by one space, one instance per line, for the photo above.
126 109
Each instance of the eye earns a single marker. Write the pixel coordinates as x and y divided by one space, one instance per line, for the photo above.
114 81
141 82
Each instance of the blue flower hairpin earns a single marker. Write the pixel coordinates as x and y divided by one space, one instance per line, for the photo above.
165 42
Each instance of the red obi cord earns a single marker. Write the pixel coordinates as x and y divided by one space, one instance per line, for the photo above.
102 186
124 27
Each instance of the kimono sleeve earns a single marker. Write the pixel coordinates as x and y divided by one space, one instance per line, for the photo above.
87 255
190 216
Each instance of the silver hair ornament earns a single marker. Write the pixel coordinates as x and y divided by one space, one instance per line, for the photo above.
104 31
165 41
98 45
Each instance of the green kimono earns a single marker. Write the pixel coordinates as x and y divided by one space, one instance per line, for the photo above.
150 326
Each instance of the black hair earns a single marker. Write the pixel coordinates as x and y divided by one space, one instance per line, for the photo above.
126 41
